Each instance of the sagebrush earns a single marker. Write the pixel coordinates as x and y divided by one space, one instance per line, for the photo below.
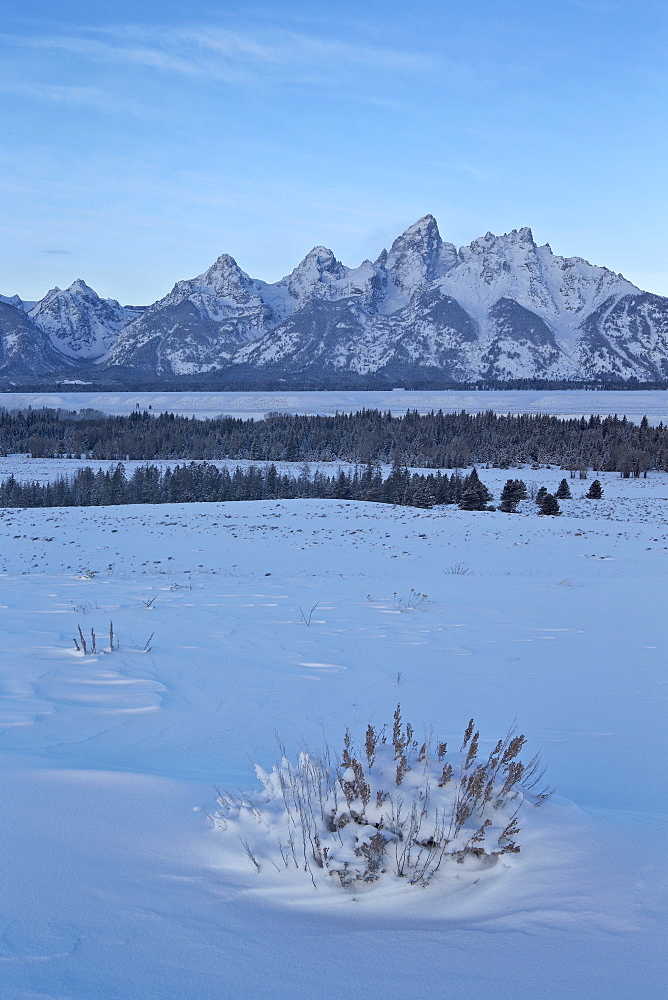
393 806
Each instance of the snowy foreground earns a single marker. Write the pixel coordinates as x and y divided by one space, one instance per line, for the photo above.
635 404
115 883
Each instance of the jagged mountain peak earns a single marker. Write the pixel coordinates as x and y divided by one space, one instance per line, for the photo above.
320 264
524 234
427 225
79 285
224 269
66 298
12 300
25 349
422 234
223 263
198 325
79 323
223 280
502 307
77 288
77 295
311 278
419 255
521 239
322 255
495 258
512 266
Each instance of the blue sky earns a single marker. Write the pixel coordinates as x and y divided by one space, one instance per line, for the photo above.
143 139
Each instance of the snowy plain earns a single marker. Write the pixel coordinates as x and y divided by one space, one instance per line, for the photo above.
116 885
570 403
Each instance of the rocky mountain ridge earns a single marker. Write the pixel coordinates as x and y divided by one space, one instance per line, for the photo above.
501 309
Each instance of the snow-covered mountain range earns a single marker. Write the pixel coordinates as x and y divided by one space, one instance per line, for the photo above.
500 309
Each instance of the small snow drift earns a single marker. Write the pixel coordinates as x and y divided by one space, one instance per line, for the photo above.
394 808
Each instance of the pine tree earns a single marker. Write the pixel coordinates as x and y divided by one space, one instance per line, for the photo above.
476 496
549 505
508 506
509 497
595 491
563 491
442 489
540 496
471 500
422 497
473 482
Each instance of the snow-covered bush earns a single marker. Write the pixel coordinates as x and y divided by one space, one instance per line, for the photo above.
394 807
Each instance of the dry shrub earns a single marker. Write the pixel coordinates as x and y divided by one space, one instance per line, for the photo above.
392 806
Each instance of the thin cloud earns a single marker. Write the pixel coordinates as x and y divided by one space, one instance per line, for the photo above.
466 168
230 56
401 107
286 47
57 251
271 46
83 96
13 188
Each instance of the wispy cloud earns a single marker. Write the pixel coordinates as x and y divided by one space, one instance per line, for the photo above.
467 168
16 189
290 48
92 48
91 97
231 56
59 252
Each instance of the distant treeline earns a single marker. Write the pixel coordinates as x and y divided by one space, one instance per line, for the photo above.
203 481
241 379
434 440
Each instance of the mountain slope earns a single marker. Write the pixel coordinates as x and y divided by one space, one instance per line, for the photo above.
502 308
627 336
197 326
24 348
79 323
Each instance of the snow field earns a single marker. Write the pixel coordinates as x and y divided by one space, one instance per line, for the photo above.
116 884
568 403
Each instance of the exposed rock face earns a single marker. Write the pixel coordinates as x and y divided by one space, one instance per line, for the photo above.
502 308
626 336
24 348
198 326
419 256
79 323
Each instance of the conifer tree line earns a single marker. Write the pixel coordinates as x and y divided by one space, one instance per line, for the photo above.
435 440
201 481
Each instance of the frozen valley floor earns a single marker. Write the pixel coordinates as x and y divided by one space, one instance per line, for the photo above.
113 884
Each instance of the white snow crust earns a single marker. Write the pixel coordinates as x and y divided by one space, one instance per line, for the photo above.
566 403
114 883
501 308
78 322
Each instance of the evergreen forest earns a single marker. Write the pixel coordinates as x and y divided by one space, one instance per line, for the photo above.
202 481
435 440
